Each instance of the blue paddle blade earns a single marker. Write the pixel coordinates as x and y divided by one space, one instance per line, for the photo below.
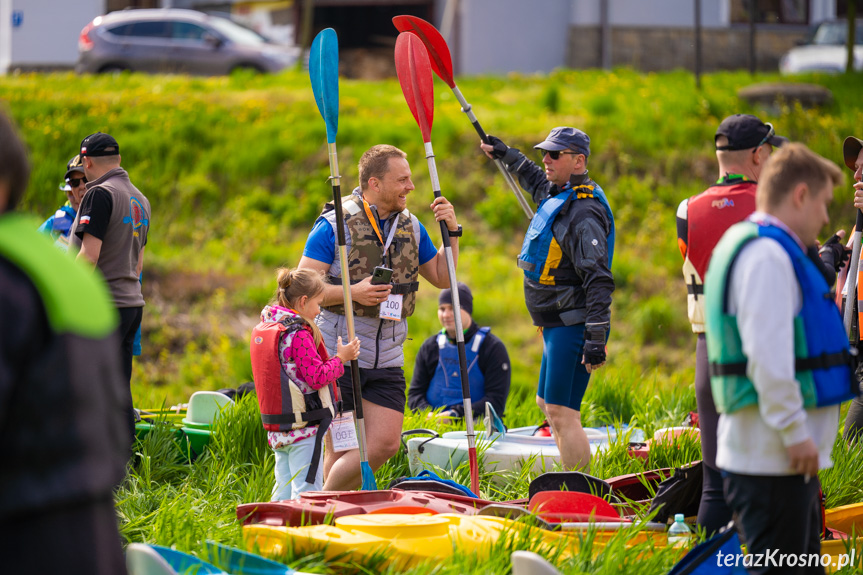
369 483
238 562
324 73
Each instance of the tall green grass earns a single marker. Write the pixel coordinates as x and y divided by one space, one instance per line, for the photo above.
236 171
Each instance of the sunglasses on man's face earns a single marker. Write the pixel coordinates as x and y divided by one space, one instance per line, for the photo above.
555 154
75 182
770 133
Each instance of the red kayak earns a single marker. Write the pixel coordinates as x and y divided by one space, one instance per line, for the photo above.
318 507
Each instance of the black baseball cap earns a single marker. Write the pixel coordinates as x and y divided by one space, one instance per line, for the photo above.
745 132
565 138
99 144
850 150
74 165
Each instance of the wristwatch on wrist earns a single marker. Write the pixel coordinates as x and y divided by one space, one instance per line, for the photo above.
455 234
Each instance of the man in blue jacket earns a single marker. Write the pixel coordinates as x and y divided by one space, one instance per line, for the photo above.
566 259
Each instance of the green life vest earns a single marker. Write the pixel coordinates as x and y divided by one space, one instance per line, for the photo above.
74 298
66 436
821 350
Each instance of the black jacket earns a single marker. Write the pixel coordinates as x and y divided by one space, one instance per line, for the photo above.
493 361
581 228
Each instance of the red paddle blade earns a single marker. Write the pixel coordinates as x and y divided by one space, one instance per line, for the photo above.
439 56
415 77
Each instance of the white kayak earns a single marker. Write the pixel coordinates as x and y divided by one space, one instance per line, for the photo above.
501 450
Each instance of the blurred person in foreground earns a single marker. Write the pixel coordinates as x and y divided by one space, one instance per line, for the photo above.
61 398
780 363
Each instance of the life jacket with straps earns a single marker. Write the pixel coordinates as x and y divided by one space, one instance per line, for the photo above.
823 358
283 404
367 252
65 433
61 225
541 255
445 387
709 214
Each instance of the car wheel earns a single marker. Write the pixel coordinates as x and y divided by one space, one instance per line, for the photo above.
113 69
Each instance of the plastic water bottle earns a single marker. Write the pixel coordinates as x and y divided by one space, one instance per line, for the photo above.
679 533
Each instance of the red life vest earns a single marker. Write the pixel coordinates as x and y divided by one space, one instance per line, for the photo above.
283 405
709 215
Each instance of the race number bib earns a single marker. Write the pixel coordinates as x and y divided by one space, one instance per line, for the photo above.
344 433
391 308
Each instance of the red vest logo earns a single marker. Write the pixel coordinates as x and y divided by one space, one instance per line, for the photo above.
723 203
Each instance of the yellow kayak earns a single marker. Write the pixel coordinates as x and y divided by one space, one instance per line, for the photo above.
408 540
842 552
846 518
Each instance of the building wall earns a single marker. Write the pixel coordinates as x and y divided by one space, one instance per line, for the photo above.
46 34
654 49
650 13
499 36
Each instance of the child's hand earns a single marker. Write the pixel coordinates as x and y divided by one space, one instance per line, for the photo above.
348 352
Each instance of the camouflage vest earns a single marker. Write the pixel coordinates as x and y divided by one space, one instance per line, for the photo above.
366 253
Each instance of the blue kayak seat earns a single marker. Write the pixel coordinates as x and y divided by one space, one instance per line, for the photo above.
702 559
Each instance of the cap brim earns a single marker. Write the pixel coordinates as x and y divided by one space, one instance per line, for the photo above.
65 188
777 141
550 146
850 150
74 171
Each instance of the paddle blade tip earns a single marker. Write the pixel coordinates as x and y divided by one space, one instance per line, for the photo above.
414 72
324 75
434 42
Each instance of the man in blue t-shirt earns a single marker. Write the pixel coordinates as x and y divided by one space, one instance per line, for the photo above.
380 233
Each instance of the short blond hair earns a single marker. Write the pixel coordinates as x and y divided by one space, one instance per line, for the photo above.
375 163
789 166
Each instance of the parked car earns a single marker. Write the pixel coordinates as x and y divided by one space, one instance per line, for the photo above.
178 41
825 50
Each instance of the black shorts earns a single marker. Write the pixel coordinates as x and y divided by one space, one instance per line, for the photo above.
384 387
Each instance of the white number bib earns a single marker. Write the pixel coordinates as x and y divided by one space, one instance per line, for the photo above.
391 308
344 433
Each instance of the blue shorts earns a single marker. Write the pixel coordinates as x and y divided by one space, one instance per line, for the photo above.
562 377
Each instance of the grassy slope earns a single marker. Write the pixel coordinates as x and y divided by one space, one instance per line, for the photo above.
236 171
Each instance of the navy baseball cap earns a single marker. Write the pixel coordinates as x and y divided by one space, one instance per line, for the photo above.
75 165
99 144
745 131
565 138
850 150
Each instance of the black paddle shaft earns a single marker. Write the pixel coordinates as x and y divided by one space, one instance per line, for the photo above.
340 237
459 336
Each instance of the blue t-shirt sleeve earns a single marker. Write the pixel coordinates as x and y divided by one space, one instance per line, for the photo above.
321 244
427 247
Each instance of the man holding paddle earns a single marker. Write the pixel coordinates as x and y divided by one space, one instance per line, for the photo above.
388 249
566 257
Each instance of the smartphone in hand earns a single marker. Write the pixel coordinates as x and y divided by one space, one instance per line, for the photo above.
381 275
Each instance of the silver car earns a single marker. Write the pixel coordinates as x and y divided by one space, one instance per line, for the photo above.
825 50
176 41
